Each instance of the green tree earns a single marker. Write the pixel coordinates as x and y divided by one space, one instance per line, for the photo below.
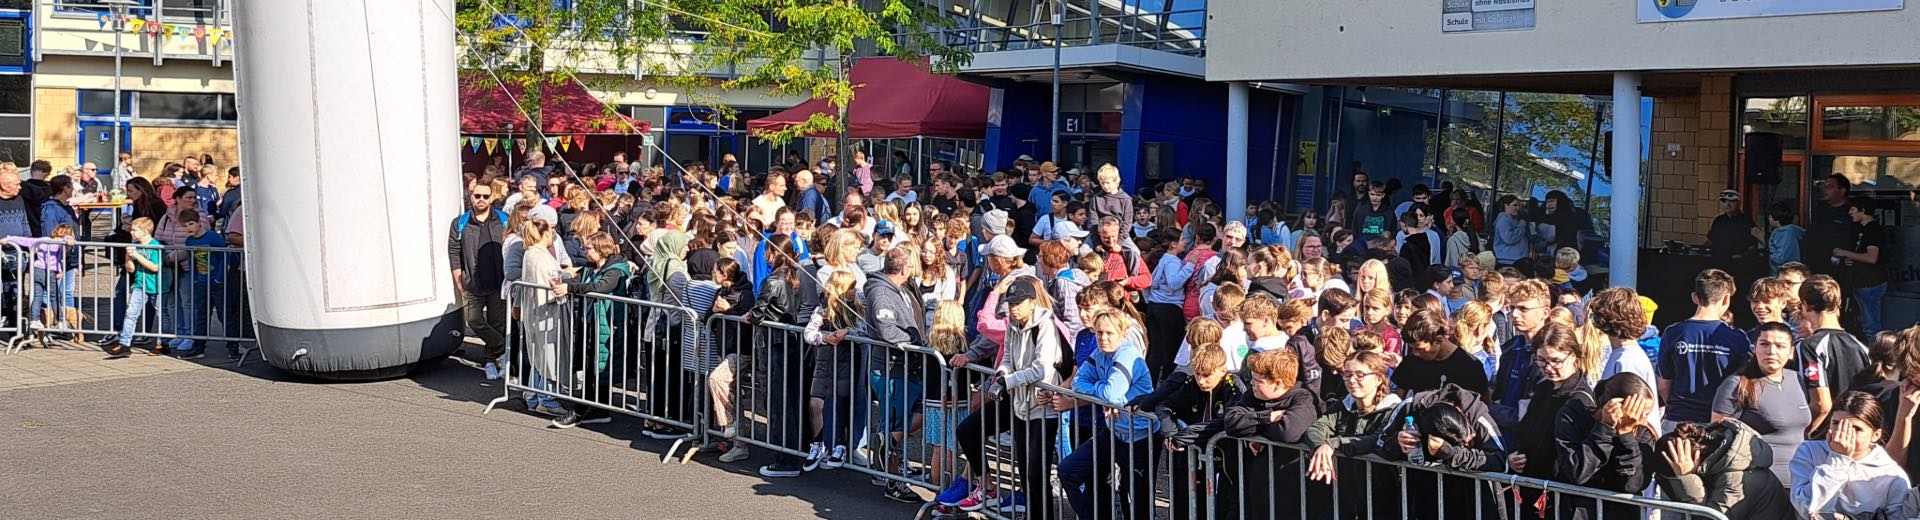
538 44
802 47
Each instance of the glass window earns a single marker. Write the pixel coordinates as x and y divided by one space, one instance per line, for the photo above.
100 102
1880 123
190 107
16 94
16 4
16 126
16 151
1785 116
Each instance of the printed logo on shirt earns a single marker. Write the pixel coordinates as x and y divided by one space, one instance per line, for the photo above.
1685 348
883 314
1811 372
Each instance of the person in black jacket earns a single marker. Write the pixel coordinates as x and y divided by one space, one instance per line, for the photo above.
1260 475
1605 447
1562 385
474 250
777 303
1180 401
607 275
1458 434
1351 429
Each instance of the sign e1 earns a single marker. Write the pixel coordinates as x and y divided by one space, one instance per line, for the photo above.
1461 16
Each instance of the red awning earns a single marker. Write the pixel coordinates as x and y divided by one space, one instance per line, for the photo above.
897 100
565 108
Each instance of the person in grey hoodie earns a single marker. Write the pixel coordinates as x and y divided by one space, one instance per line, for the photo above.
1032 354
1849 475
894 316
1111 200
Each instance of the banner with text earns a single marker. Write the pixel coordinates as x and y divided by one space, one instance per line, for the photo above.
1685 10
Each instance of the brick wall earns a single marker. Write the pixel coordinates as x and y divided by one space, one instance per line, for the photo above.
55 128
1685 187
154 147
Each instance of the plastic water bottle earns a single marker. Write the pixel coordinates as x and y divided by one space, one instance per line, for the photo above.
1418 456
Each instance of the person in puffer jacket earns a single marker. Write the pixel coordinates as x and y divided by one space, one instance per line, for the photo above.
1459 435
1275 409
1723 466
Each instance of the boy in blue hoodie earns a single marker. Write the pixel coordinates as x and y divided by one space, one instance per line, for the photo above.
194 271
1116 374
1783 245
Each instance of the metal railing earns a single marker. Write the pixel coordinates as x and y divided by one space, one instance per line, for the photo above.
600 353
194 299
1150 30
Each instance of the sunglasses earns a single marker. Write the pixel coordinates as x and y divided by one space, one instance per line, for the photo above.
482 196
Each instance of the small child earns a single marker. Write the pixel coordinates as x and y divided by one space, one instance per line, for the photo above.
49 271
143 260
195 271
943 407
1567 260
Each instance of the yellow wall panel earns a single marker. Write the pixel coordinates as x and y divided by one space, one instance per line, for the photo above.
55 129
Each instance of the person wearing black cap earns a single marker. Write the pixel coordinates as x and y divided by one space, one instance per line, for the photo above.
1031 355
1733 236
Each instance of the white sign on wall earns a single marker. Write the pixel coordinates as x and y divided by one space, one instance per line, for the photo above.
1457 16
1684 10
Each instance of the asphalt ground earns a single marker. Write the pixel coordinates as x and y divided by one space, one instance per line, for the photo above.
206 440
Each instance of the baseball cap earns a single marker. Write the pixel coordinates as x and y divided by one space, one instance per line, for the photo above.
1486 260
1025 157
1002 246
544 213
1066 228
995 222
1018 293
882 228
1729 195
1049 167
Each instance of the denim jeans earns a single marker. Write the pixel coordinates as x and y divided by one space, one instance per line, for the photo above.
189 298
46 296
1085 475
137 303
1870 308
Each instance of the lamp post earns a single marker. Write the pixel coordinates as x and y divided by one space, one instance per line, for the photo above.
119 10
1053 147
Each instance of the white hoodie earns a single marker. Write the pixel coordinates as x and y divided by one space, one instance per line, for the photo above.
1826 484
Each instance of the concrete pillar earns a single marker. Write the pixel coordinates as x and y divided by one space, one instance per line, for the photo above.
1237 108
1624 245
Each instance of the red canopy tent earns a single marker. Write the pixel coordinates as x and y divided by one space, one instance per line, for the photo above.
897 99
565 109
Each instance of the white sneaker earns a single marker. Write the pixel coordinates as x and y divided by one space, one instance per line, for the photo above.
837 459
815 454
737 454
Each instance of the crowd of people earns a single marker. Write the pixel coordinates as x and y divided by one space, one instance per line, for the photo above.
168 288
1418 329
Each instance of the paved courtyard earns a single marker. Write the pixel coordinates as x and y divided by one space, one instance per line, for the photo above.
151 437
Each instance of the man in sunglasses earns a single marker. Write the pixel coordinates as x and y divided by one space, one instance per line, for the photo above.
474 251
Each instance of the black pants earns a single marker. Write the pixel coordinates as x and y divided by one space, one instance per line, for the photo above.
484 312
1034 442
670 391
785 395
1166 326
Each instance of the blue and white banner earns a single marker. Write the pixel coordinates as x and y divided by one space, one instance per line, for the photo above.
1686 10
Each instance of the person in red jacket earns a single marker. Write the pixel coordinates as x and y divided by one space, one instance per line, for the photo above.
1124 262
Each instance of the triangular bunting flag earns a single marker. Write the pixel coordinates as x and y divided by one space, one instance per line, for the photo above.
553 143
474 144
200 33
491 142
580 141
566 143
520 143
103 21
182 32
137 25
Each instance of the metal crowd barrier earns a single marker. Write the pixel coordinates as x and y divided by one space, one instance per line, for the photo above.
616 354
1258 478
774 390
200 298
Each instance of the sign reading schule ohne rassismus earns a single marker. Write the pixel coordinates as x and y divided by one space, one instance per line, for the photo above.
1486 15
1685 10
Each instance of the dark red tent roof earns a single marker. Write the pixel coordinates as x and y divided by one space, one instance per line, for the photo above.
565 108
898 99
